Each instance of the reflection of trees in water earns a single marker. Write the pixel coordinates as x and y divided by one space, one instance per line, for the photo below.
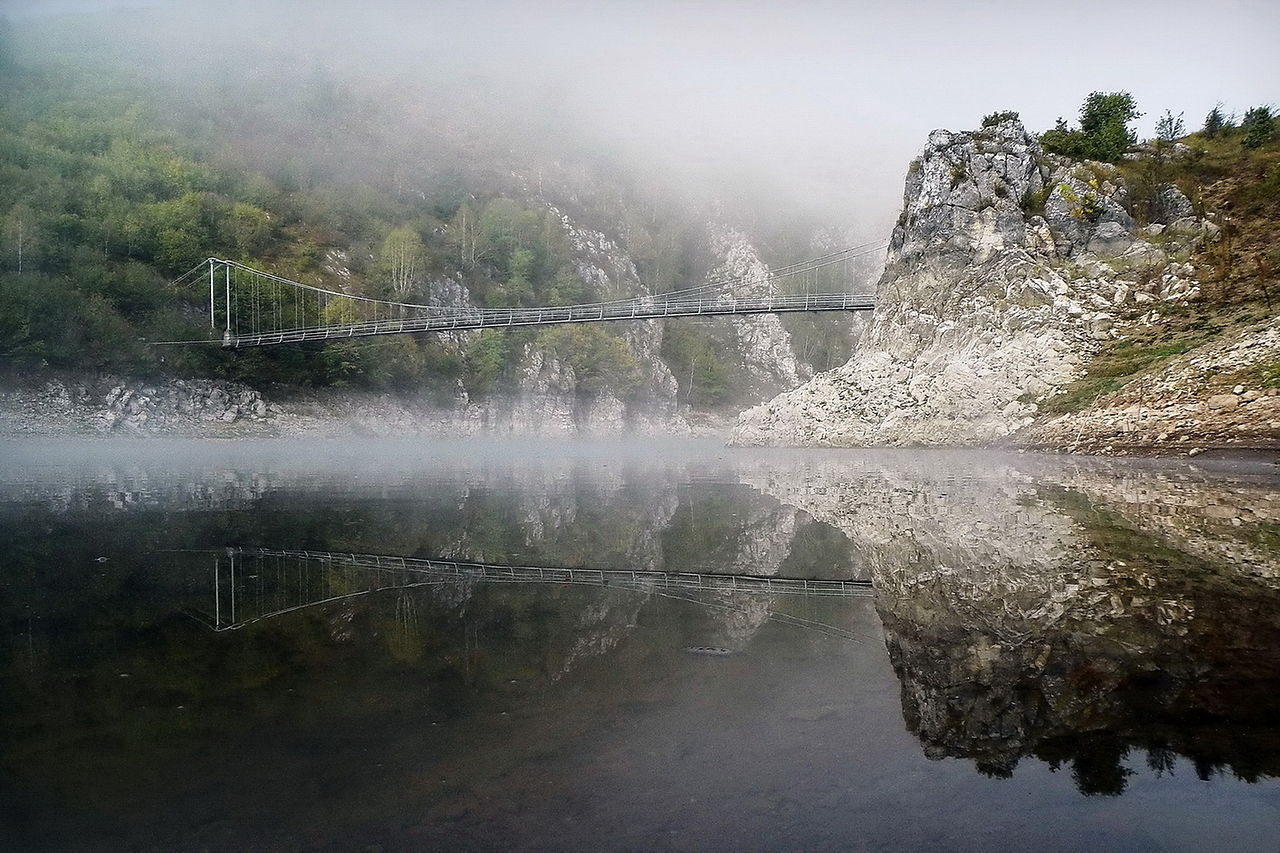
1090 691
1089 615
404 639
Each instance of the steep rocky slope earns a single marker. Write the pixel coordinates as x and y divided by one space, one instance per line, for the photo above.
1007 269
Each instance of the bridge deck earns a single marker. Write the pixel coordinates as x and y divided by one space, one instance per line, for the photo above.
645 308
625 578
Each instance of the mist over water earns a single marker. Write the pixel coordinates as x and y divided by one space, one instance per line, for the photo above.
1056 653
636 644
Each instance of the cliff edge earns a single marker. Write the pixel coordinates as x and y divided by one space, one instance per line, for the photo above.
1007 271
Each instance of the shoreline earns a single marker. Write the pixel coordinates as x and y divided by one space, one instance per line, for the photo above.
105 407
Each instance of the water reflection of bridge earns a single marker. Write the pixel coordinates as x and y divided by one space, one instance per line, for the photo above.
252 584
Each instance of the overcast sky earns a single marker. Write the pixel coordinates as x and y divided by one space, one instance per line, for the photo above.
828 99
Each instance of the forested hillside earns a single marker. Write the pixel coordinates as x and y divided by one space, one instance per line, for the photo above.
117 177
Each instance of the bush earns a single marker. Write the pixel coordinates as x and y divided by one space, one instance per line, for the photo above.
1259 126
1215 122
1104 129
993 119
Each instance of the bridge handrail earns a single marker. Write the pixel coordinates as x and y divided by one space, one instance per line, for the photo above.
507 317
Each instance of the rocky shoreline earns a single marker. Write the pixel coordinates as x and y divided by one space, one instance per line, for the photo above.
1198 412
1216 396
110 405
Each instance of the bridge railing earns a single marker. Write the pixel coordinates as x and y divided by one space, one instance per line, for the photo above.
623 578
647 307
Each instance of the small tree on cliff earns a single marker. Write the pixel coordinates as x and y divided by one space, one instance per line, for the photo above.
1259 126
1215 122
993 119
1104 128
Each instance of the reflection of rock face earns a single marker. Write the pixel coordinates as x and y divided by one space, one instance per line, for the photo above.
1069 611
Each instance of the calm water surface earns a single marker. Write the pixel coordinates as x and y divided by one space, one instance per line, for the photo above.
1057 654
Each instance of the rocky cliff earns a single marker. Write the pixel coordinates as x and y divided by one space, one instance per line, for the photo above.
1006 270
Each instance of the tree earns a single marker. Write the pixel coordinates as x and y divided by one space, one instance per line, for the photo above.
1104 121
400 259
1104 128
1170 128
1259 126
19 235
250 228
1215 122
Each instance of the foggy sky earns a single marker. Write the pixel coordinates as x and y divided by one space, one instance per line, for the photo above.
827 101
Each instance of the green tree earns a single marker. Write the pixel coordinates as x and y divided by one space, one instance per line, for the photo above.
1215 122
1259 126
486 360
1104 132
1104 121
399 260
250 228
1170 128
519 283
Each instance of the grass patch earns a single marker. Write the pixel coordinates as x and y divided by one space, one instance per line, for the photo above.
1113 368
1266 374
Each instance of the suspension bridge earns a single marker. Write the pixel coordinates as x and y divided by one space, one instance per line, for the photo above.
253 308
253 584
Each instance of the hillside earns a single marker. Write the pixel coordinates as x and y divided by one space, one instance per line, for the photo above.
1038 297
1204 374
117 177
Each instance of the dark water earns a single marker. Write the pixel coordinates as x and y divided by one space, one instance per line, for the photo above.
1058 655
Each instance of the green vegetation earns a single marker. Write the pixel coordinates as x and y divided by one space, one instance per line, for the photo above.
1114 368
1104 132
704 367
108 192
599 360
1258 127
993 119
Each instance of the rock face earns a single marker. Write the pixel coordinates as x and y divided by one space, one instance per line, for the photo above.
985 305
110 404
767 353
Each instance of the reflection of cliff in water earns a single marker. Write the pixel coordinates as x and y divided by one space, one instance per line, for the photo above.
1079 612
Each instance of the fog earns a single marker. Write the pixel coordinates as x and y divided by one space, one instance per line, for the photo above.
813 106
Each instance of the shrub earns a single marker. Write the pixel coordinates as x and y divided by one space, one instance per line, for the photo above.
1259 126
1033 201
1104 129
993 119
1215 122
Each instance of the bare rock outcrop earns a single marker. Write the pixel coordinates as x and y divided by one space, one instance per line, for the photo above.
987 304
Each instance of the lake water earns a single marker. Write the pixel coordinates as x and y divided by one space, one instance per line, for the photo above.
1053 654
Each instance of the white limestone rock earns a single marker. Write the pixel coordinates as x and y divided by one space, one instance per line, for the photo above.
979 314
